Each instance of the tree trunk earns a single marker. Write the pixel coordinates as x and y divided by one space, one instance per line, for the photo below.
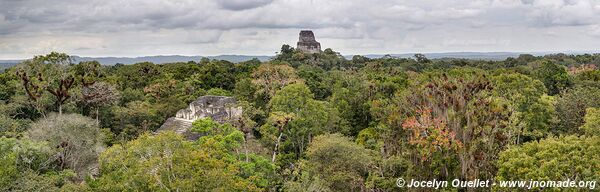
60 109
97 119
276 147
518 137
246 148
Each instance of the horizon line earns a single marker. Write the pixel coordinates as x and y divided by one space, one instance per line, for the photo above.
265 55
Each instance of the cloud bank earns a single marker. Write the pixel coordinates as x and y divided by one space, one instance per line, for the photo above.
211 27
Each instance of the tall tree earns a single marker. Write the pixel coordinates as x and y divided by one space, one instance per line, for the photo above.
88 72
554 77
215 74
571 106
592 121
269 78
99 94
246 123
77 140
552 159
310 118
48 73
532 112
167 162
275 128
458 110
333 163
29 166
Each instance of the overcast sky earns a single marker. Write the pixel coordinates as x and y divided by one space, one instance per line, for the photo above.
260 27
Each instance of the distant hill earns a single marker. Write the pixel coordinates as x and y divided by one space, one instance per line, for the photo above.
153 59
239 58
7 64
168 59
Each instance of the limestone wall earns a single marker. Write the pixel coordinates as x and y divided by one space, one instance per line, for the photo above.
307 42
220 108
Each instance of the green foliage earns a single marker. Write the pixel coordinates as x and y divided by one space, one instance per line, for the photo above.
269 78
8 85
77 140
465 126
292 99
25 154
166 162
55 76
590 78
10 127
181 71
359 61
315 79
215 74
244 69
30 166
388 170
421 58
88 72
310 118
227 136
260 171
541 117
520 89
571 106
218 92
532 112
333 163
368 138
229 140
135 76
245 89
410 117
130 94
8 158
552 159
286 52
135 118
382 81
327 60
51 181
592 122
554 77
350 98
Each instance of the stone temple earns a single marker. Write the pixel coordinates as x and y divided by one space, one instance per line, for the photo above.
307 42
220 108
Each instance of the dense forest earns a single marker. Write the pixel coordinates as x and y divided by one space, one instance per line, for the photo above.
310 122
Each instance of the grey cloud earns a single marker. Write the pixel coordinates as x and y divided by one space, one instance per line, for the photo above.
220 26
243 4
594 30
564 12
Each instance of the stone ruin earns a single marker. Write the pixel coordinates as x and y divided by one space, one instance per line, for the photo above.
220 108
307 42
